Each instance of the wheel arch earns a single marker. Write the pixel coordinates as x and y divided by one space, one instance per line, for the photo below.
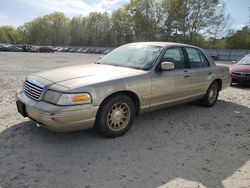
134 97
219 81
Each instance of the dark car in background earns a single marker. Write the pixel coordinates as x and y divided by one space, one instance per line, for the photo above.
10 48
240 70
3 48
15 48
30 48
46 49
22 46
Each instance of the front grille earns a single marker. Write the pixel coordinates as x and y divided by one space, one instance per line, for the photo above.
241 73
33 91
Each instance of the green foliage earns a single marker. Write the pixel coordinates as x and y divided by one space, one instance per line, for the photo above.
98 29
239 40
142 15
77 31
212 43
10 35
186 21
52 29
122 31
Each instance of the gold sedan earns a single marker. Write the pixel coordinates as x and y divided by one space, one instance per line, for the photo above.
132 79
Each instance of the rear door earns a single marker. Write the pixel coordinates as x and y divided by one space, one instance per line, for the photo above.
199 70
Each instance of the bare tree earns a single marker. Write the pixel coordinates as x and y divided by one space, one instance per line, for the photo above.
220 24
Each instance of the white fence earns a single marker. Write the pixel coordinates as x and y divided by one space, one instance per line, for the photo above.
227 55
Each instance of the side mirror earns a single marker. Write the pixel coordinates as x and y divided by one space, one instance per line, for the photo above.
101 56
166 66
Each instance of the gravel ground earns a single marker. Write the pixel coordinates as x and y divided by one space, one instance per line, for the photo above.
183 146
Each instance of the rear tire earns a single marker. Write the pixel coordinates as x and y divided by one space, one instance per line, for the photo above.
115 116
211 95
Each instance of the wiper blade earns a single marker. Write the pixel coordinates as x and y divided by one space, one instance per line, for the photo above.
108 64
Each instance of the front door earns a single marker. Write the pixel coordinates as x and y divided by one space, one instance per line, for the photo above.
171 86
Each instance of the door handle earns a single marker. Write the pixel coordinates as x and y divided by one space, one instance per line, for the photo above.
188 75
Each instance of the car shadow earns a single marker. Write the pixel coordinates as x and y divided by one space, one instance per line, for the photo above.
204 145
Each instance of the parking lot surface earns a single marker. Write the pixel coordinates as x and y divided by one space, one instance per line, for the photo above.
182 146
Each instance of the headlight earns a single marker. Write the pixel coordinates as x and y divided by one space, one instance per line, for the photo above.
72 99
66 99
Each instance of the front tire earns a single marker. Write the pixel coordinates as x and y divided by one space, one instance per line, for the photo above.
115 116
211 95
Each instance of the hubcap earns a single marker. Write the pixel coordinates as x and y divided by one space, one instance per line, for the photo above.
212 94
118 116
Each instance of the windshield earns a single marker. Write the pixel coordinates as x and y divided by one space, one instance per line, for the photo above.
244 61
132 56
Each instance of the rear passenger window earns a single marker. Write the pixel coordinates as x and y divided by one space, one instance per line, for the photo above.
175 55
196 58
204 60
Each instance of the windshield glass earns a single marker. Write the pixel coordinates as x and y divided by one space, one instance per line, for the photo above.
132 56
244 61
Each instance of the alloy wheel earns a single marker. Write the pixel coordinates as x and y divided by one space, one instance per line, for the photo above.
118 117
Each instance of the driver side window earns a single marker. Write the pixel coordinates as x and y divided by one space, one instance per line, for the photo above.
175 56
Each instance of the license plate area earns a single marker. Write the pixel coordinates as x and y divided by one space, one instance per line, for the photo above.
21 108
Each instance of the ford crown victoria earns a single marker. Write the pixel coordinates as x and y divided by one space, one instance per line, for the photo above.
132 79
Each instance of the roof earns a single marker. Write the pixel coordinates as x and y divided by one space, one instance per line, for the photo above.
161 44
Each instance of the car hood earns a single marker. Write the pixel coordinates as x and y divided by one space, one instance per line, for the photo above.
76 76
240 68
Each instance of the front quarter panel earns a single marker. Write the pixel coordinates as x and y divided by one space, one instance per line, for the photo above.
140 85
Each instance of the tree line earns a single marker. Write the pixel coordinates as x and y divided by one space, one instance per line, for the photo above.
195 22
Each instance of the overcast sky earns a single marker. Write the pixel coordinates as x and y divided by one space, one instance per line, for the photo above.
18 12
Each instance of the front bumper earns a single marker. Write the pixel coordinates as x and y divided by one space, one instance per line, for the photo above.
58 118
240 78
